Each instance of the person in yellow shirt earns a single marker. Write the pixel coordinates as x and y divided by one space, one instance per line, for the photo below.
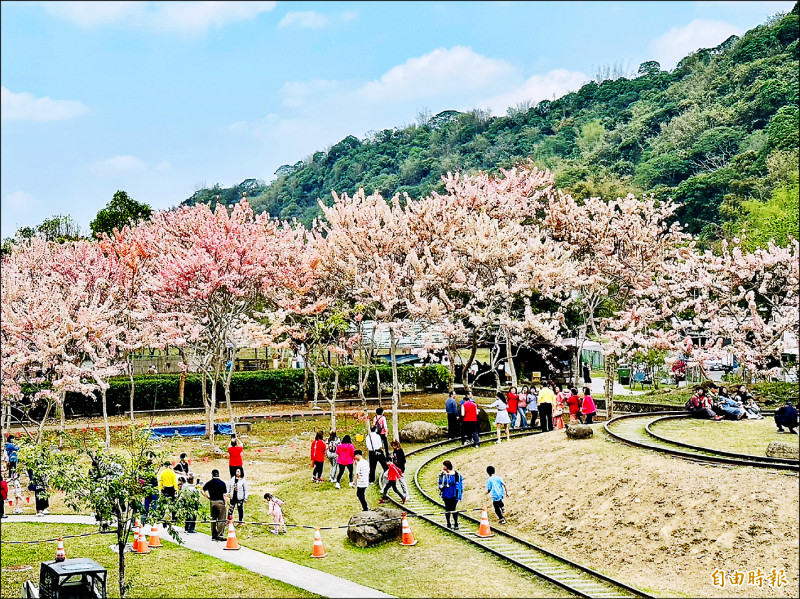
167 481
545 400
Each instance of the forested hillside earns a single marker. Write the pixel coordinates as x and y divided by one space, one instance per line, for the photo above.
719 134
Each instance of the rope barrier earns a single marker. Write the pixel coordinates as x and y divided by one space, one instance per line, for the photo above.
266 524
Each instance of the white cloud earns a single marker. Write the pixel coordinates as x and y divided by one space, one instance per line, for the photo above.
680 41
27 107
19 202
440 72
349 15
118 165
181 17
295 94
304 19
538 87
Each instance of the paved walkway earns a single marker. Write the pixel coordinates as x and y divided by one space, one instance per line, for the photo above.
303 577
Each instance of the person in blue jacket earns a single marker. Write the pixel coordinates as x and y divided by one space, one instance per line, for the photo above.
786 416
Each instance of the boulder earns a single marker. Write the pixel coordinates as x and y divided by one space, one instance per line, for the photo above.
579 431
420 431
374 526
484 424
777 449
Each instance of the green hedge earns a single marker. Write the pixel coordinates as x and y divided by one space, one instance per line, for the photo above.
160 391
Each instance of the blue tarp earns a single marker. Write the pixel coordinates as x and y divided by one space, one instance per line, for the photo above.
189 430
401 358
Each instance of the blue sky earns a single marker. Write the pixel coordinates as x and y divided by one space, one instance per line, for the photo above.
161 98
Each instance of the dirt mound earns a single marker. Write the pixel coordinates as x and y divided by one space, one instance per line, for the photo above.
661 524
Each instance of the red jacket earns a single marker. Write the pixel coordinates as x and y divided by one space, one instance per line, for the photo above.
513 398
318 449
394 472
470 411
4 490
574 403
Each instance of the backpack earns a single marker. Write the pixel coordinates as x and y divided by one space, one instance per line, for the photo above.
459 486
332 445
380 424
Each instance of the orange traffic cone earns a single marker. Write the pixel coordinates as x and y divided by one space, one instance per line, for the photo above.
408 537
233 542
154 540
140 546
483 530
60 554
319 548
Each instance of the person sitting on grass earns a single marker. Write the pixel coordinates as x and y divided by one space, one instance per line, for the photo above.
699 406
786 416
731 408
746 400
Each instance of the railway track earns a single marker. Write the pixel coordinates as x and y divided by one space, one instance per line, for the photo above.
425 463
636 430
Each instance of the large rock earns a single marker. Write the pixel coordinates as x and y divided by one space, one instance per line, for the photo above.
484 424
579 431
374 526
777 449
420 431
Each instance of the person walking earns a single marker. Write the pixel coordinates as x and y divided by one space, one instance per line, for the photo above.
533 406
217 493
451 486
11 451
522 403
362 478
275 509
451 408
512 399
235 451
16 490
376 456
382 428
496 486
238 490
318 450
588 409
469 421
3 495
394 475
399 460
190 498
330 453
38 484
501 419
344 458
182 465
545 403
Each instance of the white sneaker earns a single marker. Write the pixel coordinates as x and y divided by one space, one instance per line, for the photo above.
351 485
338 486
45 512
18 510
39 514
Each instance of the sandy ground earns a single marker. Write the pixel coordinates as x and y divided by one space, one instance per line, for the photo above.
659 523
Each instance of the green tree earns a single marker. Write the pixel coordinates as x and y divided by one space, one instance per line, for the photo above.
122 210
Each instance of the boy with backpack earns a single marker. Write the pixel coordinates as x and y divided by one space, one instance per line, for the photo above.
496 486
451 488
382 428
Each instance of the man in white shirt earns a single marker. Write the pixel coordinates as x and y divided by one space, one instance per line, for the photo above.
362 478
376 455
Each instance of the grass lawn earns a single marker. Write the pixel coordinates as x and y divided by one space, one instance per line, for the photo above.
190 574
768 395
743 436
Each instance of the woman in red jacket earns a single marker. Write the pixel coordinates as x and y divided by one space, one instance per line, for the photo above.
513 398
318 448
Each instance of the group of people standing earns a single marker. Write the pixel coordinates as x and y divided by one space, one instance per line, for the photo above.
520 410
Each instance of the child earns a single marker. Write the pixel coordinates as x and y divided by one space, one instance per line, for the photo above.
275 504
318 449
16 488
588 409
496 486
394 475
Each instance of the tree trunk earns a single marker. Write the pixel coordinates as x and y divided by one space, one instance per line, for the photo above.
510 369
61 416
378 379
130 375
395 387
305 377
333 399
211 405
122 541
468 364
451 367
206 405
182 384
105 416
44 419
227 385
610 368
